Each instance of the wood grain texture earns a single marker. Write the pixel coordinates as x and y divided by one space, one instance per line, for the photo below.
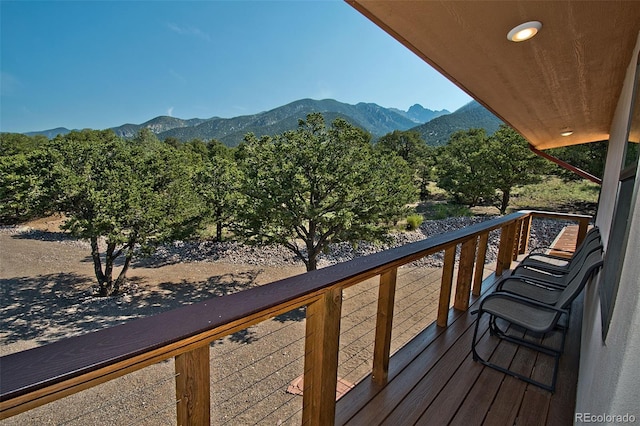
384 325
445 285
481 257
525 235
465 274
505 250
193 390
321 359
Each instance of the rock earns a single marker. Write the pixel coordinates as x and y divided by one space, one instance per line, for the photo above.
543 232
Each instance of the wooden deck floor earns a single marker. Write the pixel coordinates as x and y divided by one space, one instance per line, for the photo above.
433 380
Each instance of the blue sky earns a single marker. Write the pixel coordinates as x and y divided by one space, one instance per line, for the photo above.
100 64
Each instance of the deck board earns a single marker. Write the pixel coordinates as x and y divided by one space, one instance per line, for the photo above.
434 380
482 395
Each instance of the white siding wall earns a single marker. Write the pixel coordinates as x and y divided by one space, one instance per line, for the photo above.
610 371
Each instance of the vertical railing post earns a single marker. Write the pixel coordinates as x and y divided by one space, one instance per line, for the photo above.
481 257
321 359
445 285
465 273
193 387
525 235
384 325
583 225
516 240
505 251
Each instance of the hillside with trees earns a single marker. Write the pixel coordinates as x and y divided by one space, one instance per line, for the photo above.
471 116
435 127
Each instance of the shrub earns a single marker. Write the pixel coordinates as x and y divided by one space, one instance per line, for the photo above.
414 221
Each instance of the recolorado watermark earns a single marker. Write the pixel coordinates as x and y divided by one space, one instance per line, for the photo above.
605 418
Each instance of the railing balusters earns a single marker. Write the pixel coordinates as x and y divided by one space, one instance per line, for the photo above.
384 324
465 273
445 286
525 235
505 251
321 358
481 257
583 225
193 387
516 240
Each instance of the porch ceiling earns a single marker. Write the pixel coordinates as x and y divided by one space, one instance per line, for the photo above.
568 77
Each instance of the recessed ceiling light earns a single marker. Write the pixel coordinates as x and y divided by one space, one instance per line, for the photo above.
566 133
524 31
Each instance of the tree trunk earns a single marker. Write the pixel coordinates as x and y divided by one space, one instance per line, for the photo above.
107 286
312 249
506 194
219 232
108 263
312 263
122 277
103 285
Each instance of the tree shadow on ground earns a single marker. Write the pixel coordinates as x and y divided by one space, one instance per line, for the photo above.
46 305
35 234
297 315
50 307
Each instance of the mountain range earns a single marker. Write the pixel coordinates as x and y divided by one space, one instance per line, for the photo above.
434 126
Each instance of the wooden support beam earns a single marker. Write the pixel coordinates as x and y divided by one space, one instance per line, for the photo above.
321 358
583 226
193 387
384 325
445 285
516 240
525 235
465 273
505 250
481 257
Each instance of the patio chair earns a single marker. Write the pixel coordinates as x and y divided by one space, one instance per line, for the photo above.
533 317
547 290
558 264
556 279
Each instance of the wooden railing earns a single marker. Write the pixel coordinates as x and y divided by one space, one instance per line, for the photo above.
37 376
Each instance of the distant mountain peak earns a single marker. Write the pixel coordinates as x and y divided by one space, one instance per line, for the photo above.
472 115
420 115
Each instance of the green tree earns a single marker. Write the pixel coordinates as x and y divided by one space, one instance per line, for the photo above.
130 195
407 144
173 141
462 167
320 185
413 149
24 186
17 143
197 146
218 149
511 163
589 157
25 174
218 182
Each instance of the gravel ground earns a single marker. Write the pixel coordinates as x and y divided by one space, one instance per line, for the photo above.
46 293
